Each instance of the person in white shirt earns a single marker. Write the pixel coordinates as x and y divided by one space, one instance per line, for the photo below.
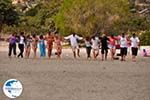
73 38
123 46
134 46
21 44
95 46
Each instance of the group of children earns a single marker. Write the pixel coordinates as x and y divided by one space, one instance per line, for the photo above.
94 44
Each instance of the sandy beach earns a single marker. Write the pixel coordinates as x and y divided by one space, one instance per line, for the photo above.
80 79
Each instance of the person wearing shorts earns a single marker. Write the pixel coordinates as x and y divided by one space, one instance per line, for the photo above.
134 46
112 46
104 46
88 47
95 47
123 46
73 38
28 46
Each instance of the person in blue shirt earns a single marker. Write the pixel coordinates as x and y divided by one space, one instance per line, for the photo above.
42 46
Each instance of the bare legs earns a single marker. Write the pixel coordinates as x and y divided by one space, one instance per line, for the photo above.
49 52
95 53
27 53
74 53
34 52
113 51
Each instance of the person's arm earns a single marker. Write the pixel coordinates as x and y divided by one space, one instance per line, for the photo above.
108 39
61 38
68 37
118 37
138 42
79 38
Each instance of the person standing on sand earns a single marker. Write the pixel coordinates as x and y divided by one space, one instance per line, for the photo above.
104 46
88 46
112 46
58 45
28 46
95 46
42 46
134 46
12 45
21 44
74 43
123 46
50 40
34 44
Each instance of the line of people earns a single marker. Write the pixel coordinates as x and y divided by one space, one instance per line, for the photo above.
31 42
109 42
93 44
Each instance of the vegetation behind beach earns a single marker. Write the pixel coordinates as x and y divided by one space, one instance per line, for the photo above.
85 17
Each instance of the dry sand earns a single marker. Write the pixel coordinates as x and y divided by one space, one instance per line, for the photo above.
80 79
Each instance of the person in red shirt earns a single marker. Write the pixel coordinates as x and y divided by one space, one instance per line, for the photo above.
112 45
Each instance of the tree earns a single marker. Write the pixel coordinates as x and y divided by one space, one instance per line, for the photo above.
90 16
39 18
8 15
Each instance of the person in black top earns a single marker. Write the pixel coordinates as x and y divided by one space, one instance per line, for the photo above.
104 46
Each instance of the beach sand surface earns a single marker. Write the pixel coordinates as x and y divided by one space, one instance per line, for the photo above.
77 79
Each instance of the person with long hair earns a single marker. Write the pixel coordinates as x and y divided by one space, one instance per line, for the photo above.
34 45
28 46
50 40
112 46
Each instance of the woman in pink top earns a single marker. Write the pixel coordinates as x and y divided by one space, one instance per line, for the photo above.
112 45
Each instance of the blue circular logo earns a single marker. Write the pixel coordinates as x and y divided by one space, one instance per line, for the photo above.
12 88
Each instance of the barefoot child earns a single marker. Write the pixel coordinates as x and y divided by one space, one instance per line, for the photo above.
42 46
